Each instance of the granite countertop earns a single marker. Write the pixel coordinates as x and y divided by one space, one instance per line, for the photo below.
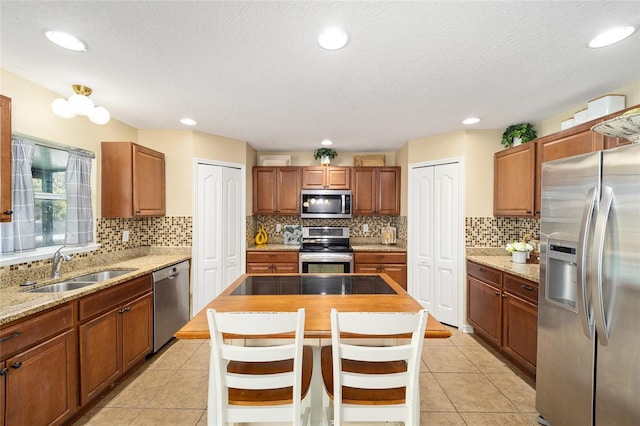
15 303
356 247
529 271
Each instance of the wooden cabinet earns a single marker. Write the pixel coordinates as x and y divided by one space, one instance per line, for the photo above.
503 309
376 191
276 190
518 170
116 332
133 180
5 159
326 178
39 368
514 181
392 264
272 262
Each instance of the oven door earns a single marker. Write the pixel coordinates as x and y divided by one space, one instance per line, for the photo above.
326 263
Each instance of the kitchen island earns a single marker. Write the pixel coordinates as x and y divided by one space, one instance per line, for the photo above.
317 294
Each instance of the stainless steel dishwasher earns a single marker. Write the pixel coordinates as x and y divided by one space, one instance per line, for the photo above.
170 302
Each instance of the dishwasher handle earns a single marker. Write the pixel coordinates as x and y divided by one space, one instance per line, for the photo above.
171 272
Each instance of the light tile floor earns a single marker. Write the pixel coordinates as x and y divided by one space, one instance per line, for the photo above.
462 382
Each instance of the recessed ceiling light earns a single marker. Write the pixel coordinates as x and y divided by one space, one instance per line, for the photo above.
66 40
611 36
326 142
333 38
471 120
188 122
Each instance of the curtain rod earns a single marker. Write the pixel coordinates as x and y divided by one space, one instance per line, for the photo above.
55 145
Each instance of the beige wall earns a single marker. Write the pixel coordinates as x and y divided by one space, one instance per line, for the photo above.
552 124
476 147
32 116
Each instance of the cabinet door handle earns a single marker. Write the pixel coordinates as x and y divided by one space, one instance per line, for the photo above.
124 310
526 287
504 296
482 270
528 211
497 293
537 211
11 336
8 212
16 365
4 372
137 211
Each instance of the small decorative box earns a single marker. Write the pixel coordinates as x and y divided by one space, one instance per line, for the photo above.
580 117
605 105
565 124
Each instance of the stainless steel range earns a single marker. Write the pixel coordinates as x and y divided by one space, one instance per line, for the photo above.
325 249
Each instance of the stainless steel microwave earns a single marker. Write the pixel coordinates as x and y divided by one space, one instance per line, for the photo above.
325 204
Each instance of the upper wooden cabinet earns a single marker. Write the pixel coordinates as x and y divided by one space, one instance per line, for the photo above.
513 182
326 177
376 190
518 170
276 190
5 159
133 180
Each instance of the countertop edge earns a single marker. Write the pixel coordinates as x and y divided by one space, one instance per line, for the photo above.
529 271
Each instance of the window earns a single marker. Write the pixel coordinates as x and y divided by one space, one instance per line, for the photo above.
49 170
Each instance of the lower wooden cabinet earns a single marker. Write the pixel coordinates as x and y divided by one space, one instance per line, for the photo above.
39 369
392 264
116 332
272 262
503 310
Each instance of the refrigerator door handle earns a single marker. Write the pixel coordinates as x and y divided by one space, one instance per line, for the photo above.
585 313
596 264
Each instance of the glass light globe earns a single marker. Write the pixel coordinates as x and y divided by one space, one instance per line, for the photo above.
81 104
62 109
99 115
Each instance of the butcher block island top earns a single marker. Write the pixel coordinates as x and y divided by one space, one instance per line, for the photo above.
318 294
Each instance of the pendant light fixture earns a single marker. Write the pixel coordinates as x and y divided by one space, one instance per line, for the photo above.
80 104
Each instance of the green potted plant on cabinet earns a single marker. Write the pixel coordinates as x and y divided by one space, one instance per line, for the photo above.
325 155
517 134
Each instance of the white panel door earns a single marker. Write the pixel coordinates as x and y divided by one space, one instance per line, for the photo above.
422 253
446 243
232 219
218 231
434 239
207 236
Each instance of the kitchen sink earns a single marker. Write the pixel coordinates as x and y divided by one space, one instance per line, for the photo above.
81 281
96 277
63 286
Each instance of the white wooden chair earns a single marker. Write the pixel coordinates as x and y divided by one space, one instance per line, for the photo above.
373 383
258 383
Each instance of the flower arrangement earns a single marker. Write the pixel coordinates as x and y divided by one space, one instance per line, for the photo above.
518 246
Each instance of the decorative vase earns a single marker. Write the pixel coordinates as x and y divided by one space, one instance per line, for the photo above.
519 256
325 160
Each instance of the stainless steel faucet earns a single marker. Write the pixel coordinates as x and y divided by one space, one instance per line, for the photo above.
56 262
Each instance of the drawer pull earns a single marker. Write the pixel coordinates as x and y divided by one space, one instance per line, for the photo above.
482 270
526 287
16 365
11 336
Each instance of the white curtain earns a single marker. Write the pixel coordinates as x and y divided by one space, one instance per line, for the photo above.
79 226
19 235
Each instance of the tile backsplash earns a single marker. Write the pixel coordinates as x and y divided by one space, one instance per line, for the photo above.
178 232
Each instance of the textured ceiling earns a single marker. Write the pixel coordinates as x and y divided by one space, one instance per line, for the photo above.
253 71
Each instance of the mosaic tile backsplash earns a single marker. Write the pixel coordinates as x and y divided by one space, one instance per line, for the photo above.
178 232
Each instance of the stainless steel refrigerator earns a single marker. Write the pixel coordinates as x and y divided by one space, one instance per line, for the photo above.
588 364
